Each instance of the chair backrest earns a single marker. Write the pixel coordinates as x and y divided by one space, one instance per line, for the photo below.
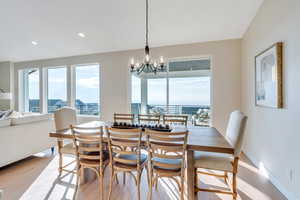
88 143
149 118
122 143
166 145
65 117
175 119
123 117
236 130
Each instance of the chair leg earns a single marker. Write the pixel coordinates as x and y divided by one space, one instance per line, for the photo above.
226 177
77 183
155 182
148 175
182 186
101 187
196 177
112 177
234 185
124 178
150 185
117 180
60 161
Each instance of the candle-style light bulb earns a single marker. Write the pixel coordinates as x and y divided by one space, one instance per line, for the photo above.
132 61
161 59
147 58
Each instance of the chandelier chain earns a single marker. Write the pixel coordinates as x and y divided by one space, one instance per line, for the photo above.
147 32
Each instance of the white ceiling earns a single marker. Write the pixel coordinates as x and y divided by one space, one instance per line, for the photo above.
112 25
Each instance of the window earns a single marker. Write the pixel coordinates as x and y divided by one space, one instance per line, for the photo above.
29 94
157 95
183 89
135 95
189 91
57 88
87 89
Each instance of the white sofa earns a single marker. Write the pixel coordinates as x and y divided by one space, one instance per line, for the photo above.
24 136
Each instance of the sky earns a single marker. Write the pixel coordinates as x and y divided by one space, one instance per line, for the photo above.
182 91
87 84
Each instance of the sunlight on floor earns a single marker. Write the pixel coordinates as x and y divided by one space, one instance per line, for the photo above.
58 189
169 187
47 185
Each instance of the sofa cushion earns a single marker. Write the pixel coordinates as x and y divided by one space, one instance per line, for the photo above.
29 118
5 122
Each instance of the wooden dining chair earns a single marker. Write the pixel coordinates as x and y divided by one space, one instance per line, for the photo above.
90 153
175 119
166 152
63 118
125 154
224 162
149 118
123 117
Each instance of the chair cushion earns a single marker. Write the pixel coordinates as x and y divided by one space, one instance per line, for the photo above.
214 161
133 157
168 161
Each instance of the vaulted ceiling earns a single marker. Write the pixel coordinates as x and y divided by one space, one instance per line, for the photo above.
113 25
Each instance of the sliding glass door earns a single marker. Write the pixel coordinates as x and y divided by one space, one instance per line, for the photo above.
184 89
29 82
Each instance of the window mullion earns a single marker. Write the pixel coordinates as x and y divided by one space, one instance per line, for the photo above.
45 90
71 87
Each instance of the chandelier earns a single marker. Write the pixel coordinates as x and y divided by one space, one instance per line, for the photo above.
148 65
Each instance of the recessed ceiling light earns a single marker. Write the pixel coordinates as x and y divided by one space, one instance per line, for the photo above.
81 35
34 43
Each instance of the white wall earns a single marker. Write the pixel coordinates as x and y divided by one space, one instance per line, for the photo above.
273 135
5 82
115 79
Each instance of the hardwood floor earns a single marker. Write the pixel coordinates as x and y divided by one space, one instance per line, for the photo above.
35 178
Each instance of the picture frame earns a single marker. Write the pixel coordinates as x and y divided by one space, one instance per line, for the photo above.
268 77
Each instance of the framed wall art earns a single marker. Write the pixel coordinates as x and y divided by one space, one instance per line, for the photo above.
268 77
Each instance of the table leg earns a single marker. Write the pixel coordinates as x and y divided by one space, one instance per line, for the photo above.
190 179
60 156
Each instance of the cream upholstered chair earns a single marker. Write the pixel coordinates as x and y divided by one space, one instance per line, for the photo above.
63 118
224 162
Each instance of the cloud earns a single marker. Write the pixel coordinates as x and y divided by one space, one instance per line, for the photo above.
92 82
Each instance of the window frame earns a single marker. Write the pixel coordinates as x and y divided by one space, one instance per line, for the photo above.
46 86
73 87
166 75
21 93
43 86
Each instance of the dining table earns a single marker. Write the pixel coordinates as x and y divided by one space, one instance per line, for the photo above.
207 139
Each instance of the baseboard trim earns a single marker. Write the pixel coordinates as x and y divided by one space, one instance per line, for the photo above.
289 195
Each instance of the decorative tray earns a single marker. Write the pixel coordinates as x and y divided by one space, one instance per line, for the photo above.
158 127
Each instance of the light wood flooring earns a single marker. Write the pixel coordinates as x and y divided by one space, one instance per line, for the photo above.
36 178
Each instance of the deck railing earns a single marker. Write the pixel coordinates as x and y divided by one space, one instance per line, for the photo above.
197 114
